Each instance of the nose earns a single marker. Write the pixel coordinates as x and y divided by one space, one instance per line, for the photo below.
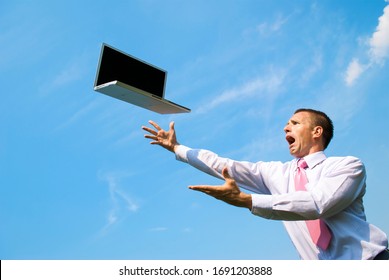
287 128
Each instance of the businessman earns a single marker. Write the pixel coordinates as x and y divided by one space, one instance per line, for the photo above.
318 198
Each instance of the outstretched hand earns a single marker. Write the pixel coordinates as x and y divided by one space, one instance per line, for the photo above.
229 192
165 139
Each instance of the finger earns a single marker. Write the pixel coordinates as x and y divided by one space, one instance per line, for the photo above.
195 188
149 130
206 189
155 125
155 138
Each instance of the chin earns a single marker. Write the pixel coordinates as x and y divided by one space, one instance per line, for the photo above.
294 154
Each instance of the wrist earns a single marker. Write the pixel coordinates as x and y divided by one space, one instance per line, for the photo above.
175 147
247 201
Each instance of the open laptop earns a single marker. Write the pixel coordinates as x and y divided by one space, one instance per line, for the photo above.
132 80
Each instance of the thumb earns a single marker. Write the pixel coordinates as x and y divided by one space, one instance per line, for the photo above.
171 126
225 174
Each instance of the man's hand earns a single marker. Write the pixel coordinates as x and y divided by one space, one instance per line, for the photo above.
229 192
166 139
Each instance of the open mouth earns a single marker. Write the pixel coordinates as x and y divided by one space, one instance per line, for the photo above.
290 139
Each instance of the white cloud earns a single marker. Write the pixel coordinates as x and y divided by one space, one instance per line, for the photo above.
379 41
378 50
354 70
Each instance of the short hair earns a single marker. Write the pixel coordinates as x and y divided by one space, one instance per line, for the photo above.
321 119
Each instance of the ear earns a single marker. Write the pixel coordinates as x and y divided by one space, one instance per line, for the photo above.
317 132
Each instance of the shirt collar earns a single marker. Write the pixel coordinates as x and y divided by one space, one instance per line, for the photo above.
314 159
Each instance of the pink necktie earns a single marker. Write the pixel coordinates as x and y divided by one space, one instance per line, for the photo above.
318 230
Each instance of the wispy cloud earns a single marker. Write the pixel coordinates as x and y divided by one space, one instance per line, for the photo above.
255 87
185 230
270 27
354 70
315 65
128 138
22 38
159 229
76 116
378 50
266 147
70 74
379 41
73 72
121 202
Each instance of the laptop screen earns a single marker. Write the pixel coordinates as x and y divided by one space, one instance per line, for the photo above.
118 66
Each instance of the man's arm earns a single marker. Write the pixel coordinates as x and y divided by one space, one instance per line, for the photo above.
247 175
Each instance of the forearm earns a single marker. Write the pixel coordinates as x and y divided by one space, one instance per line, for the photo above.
288 207
199 160
247 175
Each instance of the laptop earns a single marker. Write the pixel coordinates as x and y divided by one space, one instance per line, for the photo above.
130 79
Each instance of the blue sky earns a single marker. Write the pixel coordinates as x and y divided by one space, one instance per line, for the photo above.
79 181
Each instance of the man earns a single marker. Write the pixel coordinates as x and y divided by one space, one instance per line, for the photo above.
319 199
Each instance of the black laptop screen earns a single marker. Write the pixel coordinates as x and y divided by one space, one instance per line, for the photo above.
115 65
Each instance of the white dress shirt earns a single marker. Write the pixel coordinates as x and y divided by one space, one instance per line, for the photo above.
334 194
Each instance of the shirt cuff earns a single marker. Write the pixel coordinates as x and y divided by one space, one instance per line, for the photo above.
262 205
181 152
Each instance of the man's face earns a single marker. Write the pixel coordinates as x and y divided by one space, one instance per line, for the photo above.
299 135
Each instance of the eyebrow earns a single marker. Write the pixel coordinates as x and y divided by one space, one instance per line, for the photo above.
292 121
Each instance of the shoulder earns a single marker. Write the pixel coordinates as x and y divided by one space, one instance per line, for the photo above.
344 160
350 163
